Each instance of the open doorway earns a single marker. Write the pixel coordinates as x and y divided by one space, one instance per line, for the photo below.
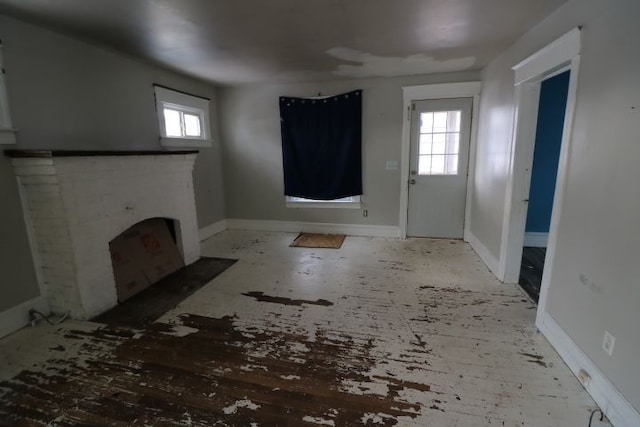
551 112
561 55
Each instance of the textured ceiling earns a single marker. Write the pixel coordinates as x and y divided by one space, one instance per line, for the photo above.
252 41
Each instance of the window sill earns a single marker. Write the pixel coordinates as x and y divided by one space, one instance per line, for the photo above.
325 205
185 142
7 136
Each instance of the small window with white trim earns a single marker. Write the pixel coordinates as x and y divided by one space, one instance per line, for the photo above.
352 202
7 132
183 118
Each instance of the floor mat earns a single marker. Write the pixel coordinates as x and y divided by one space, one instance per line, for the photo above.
142 309
314 240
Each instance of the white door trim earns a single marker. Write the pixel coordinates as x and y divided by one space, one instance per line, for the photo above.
562 54
544 62
436 91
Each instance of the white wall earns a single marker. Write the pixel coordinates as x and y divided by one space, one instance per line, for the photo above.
252 150
594 286
66 94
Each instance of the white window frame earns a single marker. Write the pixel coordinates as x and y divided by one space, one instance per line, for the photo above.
185 103
352 202
7 132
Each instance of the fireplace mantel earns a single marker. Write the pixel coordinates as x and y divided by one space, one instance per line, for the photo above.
92 153
75 202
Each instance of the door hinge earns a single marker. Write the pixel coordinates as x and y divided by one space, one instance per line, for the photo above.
409 110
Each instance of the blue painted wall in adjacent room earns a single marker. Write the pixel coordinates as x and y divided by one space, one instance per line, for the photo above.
553 102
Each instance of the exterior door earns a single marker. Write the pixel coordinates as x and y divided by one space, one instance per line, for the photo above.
440 134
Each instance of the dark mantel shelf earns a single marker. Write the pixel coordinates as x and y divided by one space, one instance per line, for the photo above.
95 153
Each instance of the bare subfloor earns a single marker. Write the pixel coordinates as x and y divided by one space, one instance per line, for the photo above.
379 332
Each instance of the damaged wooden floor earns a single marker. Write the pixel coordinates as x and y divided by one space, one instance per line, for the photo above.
379 332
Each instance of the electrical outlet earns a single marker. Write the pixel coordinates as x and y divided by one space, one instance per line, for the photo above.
608 343
365 213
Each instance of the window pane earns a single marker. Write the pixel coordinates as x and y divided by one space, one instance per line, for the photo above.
440 121
172 123
192 125
424 165
452 145
451 165
438 143
453 121
437 165
426 122
425 143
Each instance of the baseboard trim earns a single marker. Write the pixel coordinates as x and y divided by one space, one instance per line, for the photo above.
619 411
212 229
536 240
314 227
485 255
18 317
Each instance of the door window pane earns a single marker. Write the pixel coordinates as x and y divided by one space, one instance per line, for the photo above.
437 165
426 122
451 165
439 146
424 165
438 143
440 121
453 143
426 141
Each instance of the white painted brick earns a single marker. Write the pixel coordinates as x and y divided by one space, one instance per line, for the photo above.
35 170
39 179
38 191
78 204
32 161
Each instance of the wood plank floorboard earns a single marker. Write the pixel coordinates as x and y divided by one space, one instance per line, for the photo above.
380 332
531 270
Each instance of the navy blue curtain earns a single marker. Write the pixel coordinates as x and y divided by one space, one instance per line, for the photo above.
322 146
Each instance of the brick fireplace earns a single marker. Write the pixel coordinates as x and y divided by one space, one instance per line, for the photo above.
75 202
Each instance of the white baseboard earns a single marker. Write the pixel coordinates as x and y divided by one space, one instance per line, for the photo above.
485 255
536 240
619 411
212 229
315 227
17 317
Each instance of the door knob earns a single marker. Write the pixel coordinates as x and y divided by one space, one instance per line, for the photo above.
412 181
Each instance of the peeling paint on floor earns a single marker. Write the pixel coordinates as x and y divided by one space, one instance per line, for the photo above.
426 337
